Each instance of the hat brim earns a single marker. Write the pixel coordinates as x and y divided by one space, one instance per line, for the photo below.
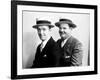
64 22
49 25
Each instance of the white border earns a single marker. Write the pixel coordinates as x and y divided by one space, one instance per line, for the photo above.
58 69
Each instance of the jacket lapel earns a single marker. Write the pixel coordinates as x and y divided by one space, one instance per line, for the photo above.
67 44
47 46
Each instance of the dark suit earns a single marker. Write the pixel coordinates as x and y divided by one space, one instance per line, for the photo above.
48 57
71 52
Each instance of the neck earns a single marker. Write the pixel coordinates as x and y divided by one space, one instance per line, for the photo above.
46 39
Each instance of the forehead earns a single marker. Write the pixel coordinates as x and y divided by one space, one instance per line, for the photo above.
43 27
64 25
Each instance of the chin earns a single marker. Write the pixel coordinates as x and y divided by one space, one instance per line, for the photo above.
62 36
42 39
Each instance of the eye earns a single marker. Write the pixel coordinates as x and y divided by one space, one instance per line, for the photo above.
64 28
44 29
60 28
38 29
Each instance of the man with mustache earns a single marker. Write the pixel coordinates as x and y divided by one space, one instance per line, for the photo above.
47 54
70 47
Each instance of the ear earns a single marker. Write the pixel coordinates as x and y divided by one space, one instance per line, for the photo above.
49 29
71 28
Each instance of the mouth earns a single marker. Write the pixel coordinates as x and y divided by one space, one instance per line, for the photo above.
62 33
42 36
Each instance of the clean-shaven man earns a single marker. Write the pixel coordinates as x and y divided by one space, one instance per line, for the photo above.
47 53
70 47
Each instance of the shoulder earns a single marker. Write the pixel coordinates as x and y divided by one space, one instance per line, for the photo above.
54 44
51 43
59 40
38 46
75 42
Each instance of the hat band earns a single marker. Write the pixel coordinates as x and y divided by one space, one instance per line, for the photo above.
43 22
67 20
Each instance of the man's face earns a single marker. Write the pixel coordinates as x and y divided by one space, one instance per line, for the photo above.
64 31
43 32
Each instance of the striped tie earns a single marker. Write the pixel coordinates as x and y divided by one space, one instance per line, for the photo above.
41 46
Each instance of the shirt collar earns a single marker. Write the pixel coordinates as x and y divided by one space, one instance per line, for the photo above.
45 42
64 41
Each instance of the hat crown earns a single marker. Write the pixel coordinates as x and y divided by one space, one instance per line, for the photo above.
43 22
66 20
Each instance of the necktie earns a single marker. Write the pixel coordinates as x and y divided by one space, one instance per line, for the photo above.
41 47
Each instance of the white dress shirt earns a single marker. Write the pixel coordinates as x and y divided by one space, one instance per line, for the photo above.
64 41
43 43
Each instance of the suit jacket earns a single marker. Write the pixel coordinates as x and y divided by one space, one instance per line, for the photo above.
71 52
49 57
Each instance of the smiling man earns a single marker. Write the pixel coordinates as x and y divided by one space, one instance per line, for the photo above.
47 54
70 47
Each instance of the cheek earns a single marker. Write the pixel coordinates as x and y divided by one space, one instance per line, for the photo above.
39 33
68 31
59 31
47 32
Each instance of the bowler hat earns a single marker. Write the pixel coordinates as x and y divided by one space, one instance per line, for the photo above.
43 22
65 21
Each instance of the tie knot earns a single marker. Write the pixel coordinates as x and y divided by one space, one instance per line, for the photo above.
41 44
62 40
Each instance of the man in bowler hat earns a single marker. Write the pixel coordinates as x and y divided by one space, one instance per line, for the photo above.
70 47
47 53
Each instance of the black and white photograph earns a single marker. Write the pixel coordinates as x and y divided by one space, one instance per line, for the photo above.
53 39
68 34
